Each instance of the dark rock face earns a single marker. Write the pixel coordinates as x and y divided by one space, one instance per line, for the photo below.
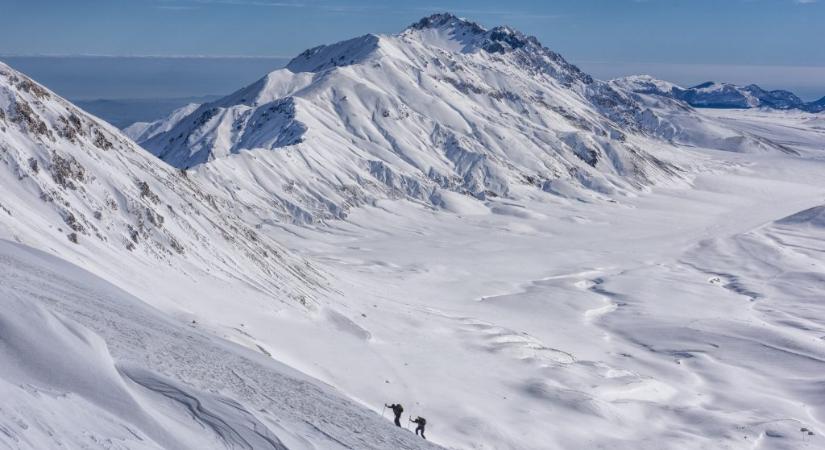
445 19
30 120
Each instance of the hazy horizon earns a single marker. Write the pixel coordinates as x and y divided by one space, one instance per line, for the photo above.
86 77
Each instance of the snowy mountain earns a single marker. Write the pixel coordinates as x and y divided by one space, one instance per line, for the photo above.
720 95
78 188
726 95
444 107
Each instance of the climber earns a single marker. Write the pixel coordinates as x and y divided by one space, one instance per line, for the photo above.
397 410
421 423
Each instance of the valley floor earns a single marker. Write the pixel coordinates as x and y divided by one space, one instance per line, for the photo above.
683 318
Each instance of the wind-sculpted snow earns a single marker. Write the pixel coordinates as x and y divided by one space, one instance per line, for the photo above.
78 188
85 365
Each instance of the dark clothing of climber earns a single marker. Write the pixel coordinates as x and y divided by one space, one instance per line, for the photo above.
397 410
421 423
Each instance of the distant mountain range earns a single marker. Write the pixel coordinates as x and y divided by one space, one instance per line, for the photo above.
721 95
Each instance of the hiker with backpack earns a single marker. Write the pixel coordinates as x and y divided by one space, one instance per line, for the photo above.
421 423
397 409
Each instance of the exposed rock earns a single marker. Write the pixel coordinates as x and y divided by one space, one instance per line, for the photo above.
27 117
176 246
154 218
146 192
101 141
66 171
73 223
30 86
71 127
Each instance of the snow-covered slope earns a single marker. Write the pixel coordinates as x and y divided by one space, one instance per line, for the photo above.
443 107
83 364
720 95
140 131
78 188
801 131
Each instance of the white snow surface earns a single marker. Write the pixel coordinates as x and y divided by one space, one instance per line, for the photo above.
683 318
680 307
86 365
140 131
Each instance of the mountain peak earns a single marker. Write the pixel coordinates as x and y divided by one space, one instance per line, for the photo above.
454 33
445 32
446 20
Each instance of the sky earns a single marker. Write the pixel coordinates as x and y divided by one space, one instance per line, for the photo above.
710 39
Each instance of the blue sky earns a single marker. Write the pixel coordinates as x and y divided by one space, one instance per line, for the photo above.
592 33
673 31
